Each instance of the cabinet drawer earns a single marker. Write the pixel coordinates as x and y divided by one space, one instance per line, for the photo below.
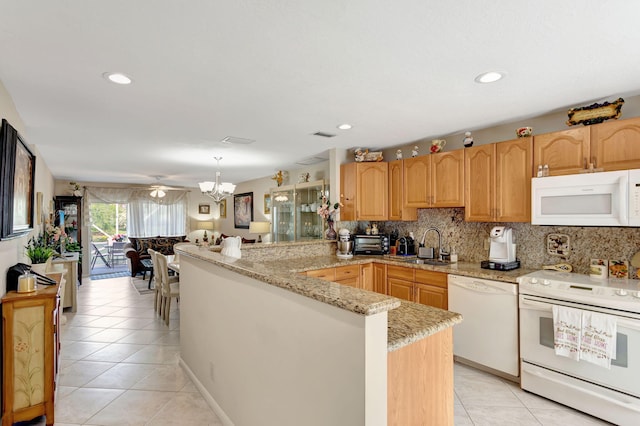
438 279
328 274
343 272
400 272
352 282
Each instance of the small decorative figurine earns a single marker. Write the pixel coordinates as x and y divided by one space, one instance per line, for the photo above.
437 145
399 154
360 154
278 177
468 140
414 151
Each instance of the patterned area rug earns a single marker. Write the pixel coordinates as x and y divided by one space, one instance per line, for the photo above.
142 286
109 275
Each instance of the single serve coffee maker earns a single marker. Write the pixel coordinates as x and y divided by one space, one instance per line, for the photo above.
502 250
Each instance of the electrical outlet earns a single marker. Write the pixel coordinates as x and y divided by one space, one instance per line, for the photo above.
211 372
487 243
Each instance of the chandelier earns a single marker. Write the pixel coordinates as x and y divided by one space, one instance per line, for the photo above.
217 190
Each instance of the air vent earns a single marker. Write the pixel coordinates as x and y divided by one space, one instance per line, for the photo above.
232 140
311 160
324 134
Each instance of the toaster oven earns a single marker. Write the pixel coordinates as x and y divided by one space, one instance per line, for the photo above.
370 244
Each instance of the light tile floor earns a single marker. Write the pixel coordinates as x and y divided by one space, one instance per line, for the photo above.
119 365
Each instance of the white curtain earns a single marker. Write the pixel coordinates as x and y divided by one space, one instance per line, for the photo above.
152 217
146 216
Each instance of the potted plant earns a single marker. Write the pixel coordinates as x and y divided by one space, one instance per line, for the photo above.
39 250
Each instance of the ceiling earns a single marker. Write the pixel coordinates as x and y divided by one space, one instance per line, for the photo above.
278 71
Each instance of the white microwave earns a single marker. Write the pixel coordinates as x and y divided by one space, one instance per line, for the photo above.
589 199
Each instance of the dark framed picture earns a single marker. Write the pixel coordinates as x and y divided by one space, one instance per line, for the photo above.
242 210
223 209
17 179
204 208
267 203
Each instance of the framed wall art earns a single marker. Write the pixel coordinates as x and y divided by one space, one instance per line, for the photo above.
17 180
242 210
267 203
204 208
223 209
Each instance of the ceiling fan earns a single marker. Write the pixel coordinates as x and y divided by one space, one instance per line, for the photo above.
160 191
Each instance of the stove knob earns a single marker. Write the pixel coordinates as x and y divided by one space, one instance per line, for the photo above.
534 281
546 282
621 292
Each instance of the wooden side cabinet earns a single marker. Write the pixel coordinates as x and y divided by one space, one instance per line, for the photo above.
364 191
31 342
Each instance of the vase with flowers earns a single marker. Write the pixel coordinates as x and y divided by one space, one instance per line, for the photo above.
327 212
38 249
118 238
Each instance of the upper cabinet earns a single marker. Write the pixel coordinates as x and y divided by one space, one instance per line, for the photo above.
364 189
397 210
498 182
435 180
610 146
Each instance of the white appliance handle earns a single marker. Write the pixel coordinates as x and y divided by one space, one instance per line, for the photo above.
546 307
625 404
623 191
483 287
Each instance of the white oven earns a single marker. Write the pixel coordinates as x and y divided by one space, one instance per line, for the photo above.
611 394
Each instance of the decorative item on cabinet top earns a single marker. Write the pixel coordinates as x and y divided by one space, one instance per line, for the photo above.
363 155
595 113
437 145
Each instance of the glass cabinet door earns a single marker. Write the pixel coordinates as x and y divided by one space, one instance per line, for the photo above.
309 225
283 213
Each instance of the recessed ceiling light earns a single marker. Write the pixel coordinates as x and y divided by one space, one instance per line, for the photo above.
345 126
489 77
117 77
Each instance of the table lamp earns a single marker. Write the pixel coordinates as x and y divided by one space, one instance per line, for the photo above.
259 228
207 226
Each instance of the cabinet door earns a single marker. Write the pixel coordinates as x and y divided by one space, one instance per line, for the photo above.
431 296
447 179
614 145
396 190
565 152
372 189
348 191
417 172
400 288
328 274
380 278
351 282
513 180
349 271
366 277
479 183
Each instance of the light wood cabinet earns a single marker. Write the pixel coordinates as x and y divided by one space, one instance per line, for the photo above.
435 180
31 343
397 209
348 275
401 289
498 182
565 152
609 146
367 281
327 274
614 144
380 278
364 189
431 288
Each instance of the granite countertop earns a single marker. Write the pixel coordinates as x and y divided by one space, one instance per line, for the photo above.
407 322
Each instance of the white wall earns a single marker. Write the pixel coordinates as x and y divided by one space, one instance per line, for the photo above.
12 251
268 356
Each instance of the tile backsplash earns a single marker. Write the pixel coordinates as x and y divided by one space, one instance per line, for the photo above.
469 238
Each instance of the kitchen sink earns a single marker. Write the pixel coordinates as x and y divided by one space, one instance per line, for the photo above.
434 262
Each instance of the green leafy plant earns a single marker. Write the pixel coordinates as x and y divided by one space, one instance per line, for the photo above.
38 249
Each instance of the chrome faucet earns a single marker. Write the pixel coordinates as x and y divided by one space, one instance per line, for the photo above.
437 231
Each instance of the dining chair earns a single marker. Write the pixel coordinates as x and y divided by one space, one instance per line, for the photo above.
170 286
157 286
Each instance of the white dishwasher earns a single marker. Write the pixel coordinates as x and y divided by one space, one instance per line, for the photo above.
488 334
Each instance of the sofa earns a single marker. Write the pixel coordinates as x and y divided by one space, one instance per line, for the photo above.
136 250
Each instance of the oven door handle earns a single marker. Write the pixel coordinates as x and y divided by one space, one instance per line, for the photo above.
533 305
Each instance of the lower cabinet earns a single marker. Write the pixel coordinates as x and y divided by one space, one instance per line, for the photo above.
31 342
380 278
417 285
345 275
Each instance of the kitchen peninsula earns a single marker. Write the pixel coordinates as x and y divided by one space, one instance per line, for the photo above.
268 345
